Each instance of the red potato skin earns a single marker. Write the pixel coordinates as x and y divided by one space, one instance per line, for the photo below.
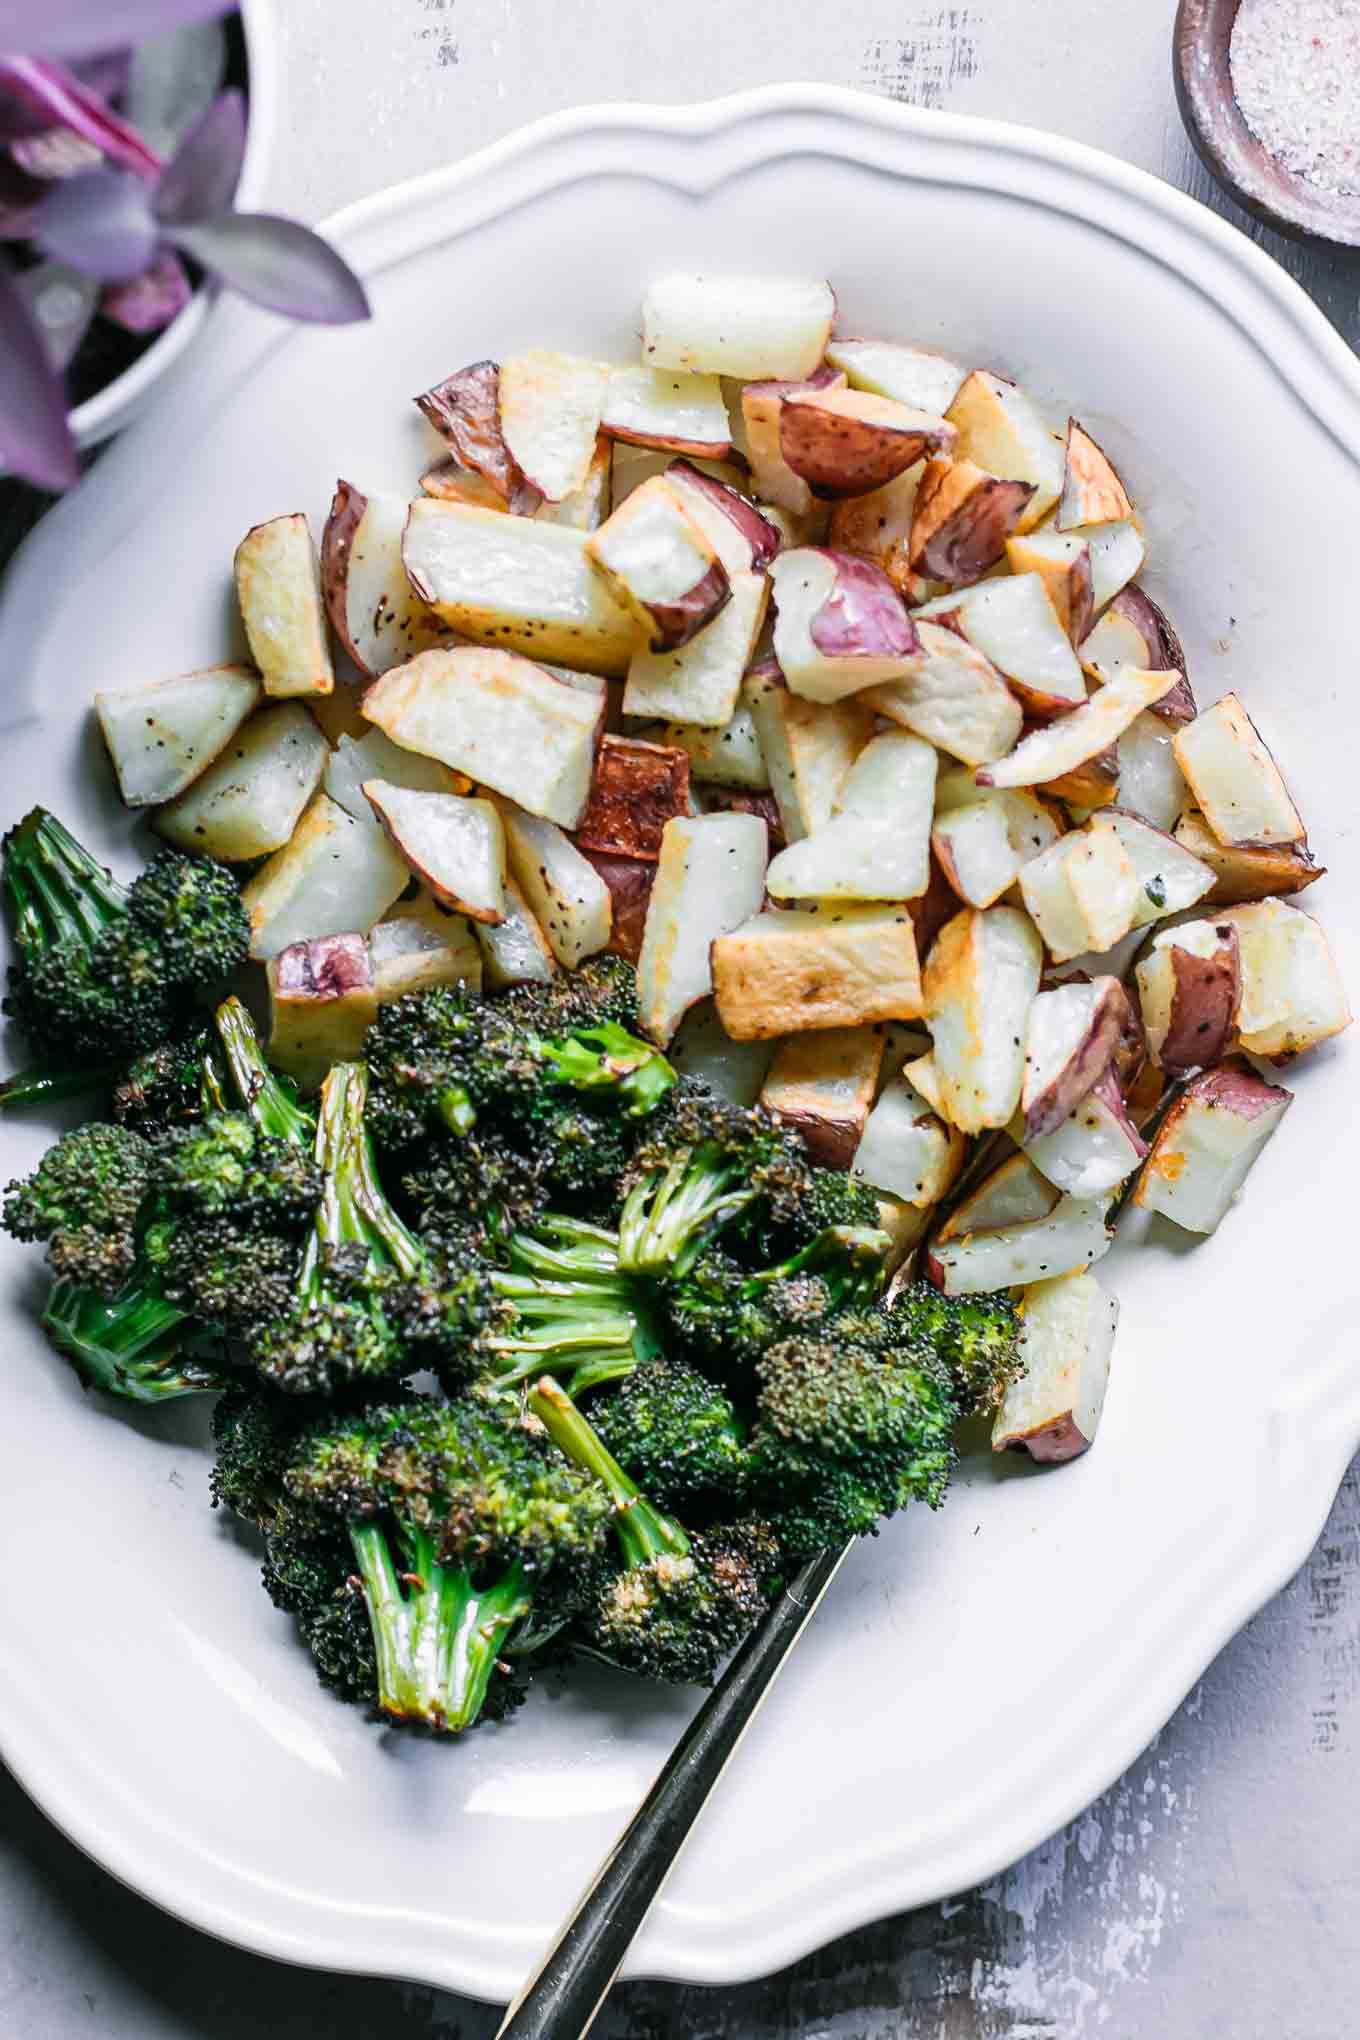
1164 652
960 524
760 534
324 969
1050 1443
1080 604
1094 783
936 905
455 484
464 410
677 622
863 612
1082 1073
343 519
1232 1087
840 456
630 881
637 788
1204 1005
739 800
1090 473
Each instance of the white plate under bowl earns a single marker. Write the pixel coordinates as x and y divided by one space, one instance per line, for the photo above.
977 1677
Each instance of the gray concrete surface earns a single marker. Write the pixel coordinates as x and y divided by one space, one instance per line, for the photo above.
1216 1888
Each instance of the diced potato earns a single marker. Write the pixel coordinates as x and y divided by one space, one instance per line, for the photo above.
517 582
1151 783
843 442
278 585
1206 1146
744 326
564 893
464 410
953 697
1074 1234
876 846
1235 781
1012 622
629 881
808 747
703 1048
334 875
906 1226
910 375
1052 1408
974 847
980 980
1096 1147
373 609
373 755
729 755
921 1073
1170 877
1001 429
249 800
840 625
1133 630
907 1150
455 846
1060 747
741 535
422 946
1013 1194
710 879
1062 561
669 408
1246 874
1092 492
822 1085
161 737
1094 783
1117 552
961 520
789 972
1189 987
638 788
878 525
1033 822
660 565
339 714
700 682
1070 1042
322 1002
585 508
498 717
1292 995
1083 894
550 410
515 951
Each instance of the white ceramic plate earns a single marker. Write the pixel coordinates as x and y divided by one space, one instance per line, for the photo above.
976 1677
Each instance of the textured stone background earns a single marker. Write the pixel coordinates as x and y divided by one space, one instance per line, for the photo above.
1216 1887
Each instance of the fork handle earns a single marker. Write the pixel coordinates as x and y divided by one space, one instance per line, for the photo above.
563 1997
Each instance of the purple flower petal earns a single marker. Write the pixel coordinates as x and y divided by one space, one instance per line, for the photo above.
58 152
62 304
19 197
201 177
147 302
36 96
276 263
35 439
101 224
106 73
82 28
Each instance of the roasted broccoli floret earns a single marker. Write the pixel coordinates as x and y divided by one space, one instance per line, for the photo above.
171 1085
137 1344
676 1433
829 1201
682 1601
702 1162
456 1513
976 1339
478 1179
850 1427
442 1058
371 1301
84 1200
727 1314
568 1309
104 970
227 1164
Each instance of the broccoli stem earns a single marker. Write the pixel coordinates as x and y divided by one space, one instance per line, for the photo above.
608 1058
436 1636
849 1258
132 1345
573 1307
37 1085
666 1220
354 1210
268 1100
55 890
644 1531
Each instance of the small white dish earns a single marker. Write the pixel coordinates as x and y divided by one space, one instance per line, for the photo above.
974 1678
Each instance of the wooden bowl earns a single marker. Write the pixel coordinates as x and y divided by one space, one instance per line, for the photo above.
1228 148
